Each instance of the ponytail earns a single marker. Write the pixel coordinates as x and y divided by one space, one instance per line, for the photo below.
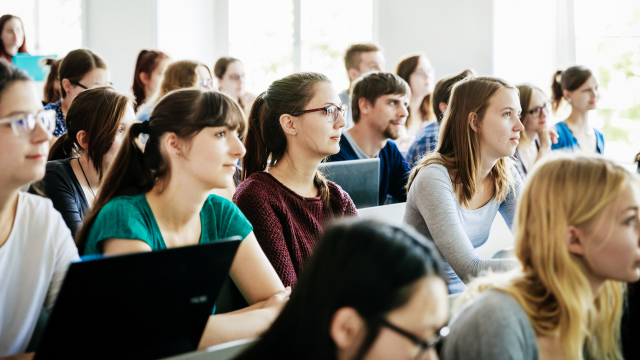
62 148
556 90
51 92
266 142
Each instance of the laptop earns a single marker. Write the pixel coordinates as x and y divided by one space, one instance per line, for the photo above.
139 306
359 178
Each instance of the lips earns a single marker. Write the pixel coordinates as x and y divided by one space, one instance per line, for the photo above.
36 157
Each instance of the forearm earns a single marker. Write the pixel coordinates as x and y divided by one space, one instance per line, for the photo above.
236 326
26 356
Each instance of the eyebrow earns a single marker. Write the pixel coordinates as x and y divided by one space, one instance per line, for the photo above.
508 108
330 103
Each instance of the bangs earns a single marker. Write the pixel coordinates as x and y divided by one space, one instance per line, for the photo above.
221 110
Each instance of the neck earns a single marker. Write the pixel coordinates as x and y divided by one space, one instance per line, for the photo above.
235 98
579 120
415 104
369 140
485 167
531 135
297 171
90 172
64 106
178 202
596 284
12 51
8 207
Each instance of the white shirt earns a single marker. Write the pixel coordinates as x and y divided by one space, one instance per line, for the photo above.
33 263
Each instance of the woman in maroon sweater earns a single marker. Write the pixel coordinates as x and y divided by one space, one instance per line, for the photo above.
293 126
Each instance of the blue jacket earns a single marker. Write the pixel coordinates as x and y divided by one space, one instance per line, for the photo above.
394 170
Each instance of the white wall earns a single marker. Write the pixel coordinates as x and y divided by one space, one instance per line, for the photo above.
455 34
117 30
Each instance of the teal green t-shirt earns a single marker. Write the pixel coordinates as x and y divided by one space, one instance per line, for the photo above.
130 217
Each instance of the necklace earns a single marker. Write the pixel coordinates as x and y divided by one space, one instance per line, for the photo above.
87 180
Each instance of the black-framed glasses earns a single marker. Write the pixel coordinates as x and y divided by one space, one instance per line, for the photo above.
423 344
86 88
331 112
24 124
536 111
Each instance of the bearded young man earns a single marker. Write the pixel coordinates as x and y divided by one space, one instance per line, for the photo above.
379 103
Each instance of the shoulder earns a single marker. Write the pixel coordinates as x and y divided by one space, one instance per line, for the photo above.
126 206
39 216
495 304
337 192
59 167
220 204
433 172
259 183
599 134
52 106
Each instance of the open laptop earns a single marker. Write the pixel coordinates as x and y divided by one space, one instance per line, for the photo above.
359 178
139 306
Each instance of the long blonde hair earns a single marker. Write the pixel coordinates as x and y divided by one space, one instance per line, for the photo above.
459 145
551 286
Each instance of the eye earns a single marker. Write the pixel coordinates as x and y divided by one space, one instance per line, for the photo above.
221 134
393 102
508 114
630 220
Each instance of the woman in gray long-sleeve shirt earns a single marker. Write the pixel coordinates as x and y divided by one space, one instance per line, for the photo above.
456 192
576 244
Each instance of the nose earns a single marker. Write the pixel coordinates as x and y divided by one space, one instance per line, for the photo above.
237 148
543 113
40 134
403 111
340 121
519 127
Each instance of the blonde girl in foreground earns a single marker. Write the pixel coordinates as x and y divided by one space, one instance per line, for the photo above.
577 240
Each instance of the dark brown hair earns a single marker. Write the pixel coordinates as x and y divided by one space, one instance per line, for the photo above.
51 92
184 112
265 141
22 49
98 112
442 91
10 74
405 68
570 79
352 56
373 85
148 61
77 64
220 68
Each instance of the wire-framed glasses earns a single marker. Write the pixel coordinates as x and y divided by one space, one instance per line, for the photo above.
331 112
423 344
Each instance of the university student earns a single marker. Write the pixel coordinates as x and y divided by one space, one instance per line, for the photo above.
79 70
370 291
579 88
575 245
97 122
379 102
537 137
178 75
160 198
147 76
426 140
360 59
231 81
12 39
456 192
417 71
35 245
294 125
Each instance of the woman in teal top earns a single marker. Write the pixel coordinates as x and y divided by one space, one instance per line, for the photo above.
160 198
579 88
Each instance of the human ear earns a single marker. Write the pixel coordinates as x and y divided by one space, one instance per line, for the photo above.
473 122
442 106
573 240
173 145
567 94
346 328
353 73
83 140
144 78
288 124
66 85
364 105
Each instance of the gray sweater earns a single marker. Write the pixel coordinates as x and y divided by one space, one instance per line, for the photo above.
433 209
492 326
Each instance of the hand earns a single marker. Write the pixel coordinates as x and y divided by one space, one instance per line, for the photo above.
278 300
547 136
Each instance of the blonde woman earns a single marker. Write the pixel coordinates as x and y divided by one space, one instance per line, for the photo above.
575 244
179 75
456 192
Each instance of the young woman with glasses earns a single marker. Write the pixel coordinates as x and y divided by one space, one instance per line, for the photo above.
79 70
370 291
537 136
293 126
231 81
35 244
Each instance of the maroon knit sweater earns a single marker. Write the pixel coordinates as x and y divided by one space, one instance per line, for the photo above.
285 223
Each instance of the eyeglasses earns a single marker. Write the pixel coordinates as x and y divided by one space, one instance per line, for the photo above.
423 344
208 83
422 73
24 124
331 112
236 77
87 88
536 111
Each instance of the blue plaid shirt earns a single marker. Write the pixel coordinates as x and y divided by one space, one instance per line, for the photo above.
61 124
425 143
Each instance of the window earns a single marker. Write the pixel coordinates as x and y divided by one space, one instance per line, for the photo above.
272 42
608 42
52 27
